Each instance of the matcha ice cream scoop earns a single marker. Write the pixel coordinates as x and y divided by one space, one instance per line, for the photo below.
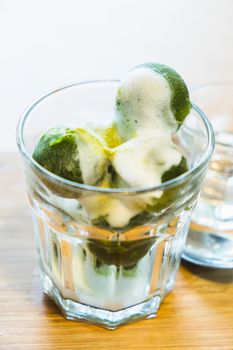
151 96
74 154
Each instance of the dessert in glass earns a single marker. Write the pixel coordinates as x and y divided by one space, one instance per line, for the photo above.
113 171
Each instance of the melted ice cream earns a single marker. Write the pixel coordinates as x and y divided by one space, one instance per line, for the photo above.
142 161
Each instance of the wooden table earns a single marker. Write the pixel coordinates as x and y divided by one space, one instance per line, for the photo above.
198 314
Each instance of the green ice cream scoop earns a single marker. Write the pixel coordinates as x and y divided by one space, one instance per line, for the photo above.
57 152
74 154
151 96
180 103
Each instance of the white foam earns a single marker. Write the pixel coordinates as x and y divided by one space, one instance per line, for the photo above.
145 97
142 161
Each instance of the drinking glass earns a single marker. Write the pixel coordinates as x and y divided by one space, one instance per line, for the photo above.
97 272
210 241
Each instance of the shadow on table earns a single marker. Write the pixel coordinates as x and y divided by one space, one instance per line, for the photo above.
211 274
50 305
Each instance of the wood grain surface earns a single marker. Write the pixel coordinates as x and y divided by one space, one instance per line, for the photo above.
198 314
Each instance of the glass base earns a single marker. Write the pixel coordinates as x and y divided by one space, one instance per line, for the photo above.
108 319
209 248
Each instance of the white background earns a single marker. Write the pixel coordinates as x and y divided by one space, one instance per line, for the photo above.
47 43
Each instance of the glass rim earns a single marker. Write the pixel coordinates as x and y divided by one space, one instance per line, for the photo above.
212 85
167 184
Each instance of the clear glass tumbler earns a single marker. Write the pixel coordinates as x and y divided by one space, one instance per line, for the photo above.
93 271
210 241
